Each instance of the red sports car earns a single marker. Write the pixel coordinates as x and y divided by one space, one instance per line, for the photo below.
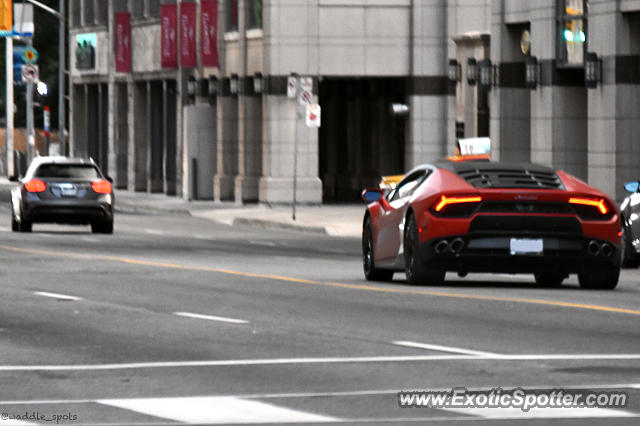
483 216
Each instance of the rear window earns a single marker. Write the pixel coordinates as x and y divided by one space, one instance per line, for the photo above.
68 171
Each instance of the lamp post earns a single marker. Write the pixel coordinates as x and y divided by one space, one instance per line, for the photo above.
592 70
531 73
455 71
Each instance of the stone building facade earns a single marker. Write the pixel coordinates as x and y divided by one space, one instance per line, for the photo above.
226 130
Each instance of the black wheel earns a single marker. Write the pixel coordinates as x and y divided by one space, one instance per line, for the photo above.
371 273
629 260
105 227
15 226
602 278
24 226
418 273
550 279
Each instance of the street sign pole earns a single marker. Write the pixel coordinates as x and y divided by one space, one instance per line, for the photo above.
9 106
295 148
30 136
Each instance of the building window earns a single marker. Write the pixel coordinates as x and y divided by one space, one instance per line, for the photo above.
254 14
75 13
153 8
137 9
231 15
102 12
572 32
89 13
120 6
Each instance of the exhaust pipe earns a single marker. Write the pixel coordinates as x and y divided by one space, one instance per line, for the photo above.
456 245
593 248
441 246
606 250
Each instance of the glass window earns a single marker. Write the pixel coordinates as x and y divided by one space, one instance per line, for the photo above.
68 171
153 8
231 15
75 13
120 6
89 15
137 9
408 185
254 11
572 32
102 12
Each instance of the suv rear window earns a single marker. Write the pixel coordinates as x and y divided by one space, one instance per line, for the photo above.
70 171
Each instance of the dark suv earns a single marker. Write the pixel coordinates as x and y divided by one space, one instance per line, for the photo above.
63 190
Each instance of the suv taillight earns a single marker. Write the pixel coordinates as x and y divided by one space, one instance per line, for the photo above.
101 187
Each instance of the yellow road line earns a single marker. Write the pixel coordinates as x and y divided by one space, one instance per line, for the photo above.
323 283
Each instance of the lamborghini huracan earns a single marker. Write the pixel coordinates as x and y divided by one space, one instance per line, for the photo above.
475 215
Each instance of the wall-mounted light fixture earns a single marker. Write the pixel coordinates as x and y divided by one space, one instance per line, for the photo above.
192 89
213 88
258 83
486 73
531 73
472 71
592 70
400 109
234 84
455 71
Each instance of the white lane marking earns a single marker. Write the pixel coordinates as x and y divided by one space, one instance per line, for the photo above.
345 393
331 360
441 348
541 413
154 232
211 318
57 296
198 410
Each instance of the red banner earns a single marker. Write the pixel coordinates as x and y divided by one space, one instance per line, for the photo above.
169 41
188 54
122 41
209 36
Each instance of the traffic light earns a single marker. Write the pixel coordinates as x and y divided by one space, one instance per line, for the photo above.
6 15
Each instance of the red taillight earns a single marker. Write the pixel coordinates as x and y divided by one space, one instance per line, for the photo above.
35 185
600 204
101 187
445 201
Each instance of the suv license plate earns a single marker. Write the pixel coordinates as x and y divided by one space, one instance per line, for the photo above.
531 246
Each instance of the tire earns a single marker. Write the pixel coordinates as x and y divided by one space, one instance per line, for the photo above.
105 227
24 226
629 260
15 226
371 273
550 279
602 278
418 273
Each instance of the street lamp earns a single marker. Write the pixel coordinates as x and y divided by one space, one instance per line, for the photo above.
472 71
42 88
234 84
485 73
592 70
531 73
455 71
258 83
191 89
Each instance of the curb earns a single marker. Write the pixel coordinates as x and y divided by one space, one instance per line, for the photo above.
279 225
149 211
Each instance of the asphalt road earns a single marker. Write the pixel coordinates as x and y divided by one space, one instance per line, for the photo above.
181 320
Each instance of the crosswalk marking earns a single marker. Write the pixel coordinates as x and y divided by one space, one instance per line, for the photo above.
541 413
194 410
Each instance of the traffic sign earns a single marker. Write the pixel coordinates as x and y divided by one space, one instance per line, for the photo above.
29 73
312 117
46 115
291 86
30 55
306 90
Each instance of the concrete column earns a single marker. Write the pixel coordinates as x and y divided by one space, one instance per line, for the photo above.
614 106
227 156
559 106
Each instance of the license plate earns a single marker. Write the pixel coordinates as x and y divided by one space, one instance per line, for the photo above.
526 246
68 190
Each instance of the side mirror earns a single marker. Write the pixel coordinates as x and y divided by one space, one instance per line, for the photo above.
371 195
110 179
632 187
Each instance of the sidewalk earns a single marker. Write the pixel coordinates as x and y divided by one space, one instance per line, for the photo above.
335 220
